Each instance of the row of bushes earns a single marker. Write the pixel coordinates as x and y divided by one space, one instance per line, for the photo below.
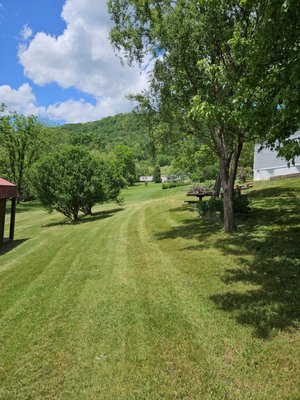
170 185
208 184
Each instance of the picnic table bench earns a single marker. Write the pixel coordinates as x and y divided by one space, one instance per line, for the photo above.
244 187
202 192
191 201
199 194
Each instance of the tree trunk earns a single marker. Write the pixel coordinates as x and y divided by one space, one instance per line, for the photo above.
218 183
229 224
228 174
227 183
228 153
75 215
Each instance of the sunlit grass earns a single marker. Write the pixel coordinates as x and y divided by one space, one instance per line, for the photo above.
146 301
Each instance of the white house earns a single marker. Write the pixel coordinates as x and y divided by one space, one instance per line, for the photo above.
166 178
146 178
268 165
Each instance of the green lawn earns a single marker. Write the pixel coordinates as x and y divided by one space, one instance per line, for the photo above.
146 301
140 191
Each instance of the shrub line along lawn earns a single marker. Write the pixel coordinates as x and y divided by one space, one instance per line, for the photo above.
146 301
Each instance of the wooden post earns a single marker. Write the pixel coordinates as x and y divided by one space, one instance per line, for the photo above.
12 219
2 219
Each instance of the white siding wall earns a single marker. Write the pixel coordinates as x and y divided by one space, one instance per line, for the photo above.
166 178
267 164
266 174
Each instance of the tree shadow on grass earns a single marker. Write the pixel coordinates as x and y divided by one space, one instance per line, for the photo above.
267 248
10 245
273 269
87 218
264 285
278 192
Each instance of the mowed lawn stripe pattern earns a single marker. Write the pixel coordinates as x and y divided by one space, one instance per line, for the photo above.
120 307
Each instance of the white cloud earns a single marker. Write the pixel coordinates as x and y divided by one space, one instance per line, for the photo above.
82 57
21 100
26 33
24 101
82 111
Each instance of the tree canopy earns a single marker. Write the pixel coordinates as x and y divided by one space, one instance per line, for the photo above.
72 180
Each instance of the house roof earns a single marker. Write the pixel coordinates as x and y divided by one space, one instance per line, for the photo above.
8 189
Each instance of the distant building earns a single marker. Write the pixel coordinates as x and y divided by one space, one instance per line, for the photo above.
146 178
166 178
268 165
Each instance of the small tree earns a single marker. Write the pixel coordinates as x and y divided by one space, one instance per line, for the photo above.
71 181
125 158
157 174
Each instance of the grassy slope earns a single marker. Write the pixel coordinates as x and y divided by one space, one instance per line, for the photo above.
145 301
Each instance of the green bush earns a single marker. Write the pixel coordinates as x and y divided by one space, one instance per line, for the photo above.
72 180
170 185
209 207
156 174
214 205
207 185
241 203
244 174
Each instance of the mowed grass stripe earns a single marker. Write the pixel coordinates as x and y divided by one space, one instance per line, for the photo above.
101 328
169 331
60 284
187 301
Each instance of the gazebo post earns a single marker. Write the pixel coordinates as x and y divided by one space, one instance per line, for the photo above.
12 218
8 191
2 219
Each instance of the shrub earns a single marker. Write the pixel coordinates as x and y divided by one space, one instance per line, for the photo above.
244 174
241 203
210 207
170 185
213 205
207 185
156 174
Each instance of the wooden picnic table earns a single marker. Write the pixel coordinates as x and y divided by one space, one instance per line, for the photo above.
200 195
201 192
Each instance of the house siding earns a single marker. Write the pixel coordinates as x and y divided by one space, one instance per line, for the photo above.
267 164
146 178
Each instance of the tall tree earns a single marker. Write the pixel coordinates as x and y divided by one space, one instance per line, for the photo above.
157 174
208 78
125 158
21 144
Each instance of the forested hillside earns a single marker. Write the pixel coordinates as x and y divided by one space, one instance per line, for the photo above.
186 157
122 129
124 140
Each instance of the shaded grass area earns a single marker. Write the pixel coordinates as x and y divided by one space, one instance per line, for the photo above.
153 303
267 250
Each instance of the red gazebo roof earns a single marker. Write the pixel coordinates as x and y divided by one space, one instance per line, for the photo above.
8 189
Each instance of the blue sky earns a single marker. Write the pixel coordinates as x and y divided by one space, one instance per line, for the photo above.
57 62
